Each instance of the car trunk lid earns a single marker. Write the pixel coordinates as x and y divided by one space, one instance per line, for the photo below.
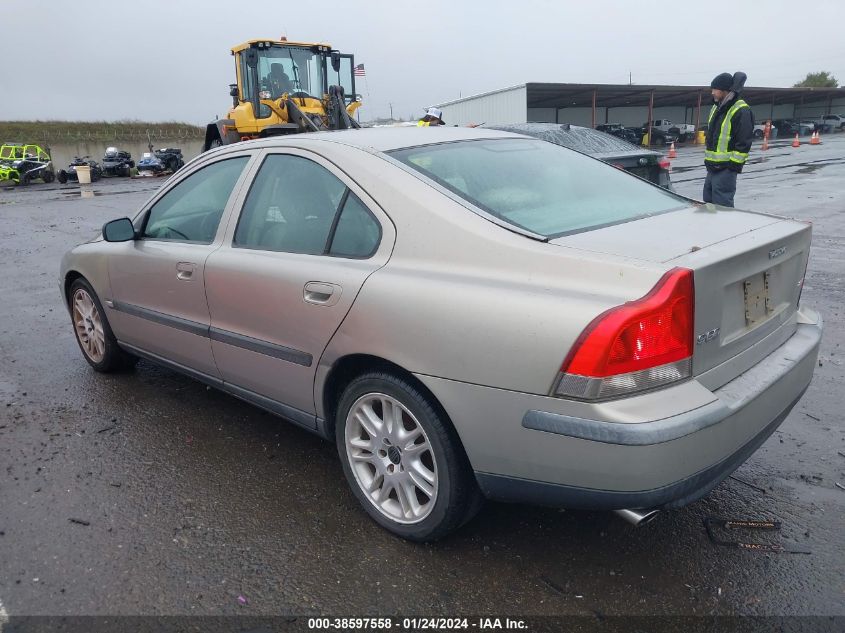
748 270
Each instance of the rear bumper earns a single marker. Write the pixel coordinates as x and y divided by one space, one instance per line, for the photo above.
673 495
633 461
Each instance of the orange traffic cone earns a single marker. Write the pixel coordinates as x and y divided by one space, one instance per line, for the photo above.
796 142
814 138
765 142
672 153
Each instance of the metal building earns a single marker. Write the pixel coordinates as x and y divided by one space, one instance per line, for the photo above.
593 104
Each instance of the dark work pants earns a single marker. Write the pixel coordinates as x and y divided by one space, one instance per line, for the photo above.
720 187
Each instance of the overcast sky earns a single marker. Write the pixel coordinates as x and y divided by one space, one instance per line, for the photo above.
158 60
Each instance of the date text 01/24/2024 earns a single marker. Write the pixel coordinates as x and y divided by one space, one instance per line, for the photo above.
415 624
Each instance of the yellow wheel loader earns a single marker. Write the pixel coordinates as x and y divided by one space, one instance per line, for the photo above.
286 88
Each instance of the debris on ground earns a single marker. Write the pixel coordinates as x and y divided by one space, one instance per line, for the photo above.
838 485
79 521
749 484
242 600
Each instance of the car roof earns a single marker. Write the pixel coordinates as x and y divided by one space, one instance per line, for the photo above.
382 139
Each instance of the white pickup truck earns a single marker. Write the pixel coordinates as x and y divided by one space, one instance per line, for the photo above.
835 121
684 131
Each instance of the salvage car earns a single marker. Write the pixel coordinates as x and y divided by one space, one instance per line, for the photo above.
635 160
632 135
465 313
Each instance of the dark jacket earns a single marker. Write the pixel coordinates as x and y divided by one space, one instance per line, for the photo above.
742 133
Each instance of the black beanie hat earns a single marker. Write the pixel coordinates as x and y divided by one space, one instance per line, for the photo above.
722 82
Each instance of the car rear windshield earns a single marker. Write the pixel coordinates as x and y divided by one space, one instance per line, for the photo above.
537 186
582 139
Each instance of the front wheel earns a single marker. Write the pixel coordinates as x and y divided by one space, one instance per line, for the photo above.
93 332
403 458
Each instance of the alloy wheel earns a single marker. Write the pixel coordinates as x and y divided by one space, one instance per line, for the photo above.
88 326
391 458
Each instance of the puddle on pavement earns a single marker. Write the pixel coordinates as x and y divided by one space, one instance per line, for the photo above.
809 169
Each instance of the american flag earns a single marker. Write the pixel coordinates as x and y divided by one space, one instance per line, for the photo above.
359 70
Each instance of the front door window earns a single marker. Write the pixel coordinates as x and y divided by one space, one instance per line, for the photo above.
191 211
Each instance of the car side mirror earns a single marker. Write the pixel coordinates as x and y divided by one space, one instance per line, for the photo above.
120 230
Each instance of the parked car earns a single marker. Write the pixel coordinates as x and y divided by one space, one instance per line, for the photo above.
117 162
69 174
23 162
625 133
760 128
466 313
790 127
660 137
636 160
811 125
681 131
835 121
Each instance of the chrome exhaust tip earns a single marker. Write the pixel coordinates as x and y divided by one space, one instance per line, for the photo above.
637 517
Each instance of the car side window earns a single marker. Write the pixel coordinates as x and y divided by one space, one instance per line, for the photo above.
291 207
191 211
357 233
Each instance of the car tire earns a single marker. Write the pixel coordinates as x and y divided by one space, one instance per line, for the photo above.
93 332
62 176
758 133
414 481
47 176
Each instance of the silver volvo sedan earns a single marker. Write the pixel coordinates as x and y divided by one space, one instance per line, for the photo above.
467 314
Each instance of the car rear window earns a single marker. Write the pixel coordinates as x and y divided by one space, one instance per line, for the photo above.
580 138
537 186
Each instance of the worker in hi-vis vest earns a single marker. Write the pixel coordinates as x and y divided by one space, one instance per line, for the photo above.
730 128
433 116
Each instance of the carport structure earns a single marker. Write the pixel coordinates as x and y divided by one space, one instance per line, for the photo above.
593 104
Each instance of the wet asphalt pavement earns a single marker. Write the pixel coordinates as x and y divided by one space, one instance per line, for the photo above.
148 493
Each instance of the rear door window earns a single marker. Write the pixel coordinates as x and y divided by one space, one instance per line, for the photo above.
296 205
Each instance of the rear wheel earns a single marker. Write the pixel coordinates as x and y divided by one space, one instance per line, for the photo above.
92 330
47 176
62 176
403 459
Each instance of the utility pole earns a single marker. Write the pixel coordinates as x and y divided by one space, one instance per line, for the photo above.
391 111
629 78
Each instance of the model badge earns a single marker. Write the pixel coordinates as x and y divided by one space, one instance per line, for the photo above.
707 336
777 252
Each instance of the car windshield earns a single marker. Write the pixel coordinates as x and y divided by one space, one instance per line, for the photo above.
537 186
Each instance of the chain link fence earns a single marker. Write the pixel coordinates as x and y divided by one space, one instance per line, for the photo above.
47 134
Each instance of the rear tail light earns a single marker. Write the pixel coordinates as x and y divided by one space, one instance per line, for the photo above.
643 344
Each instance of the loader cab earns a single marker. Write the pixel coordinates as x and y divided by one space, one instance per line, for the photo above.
286 87
267 70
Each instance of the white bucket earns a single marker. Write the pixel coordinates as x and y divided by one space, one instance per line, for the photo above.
83 172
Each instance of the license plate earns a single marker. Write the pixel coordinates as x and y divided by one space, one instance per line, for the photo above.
756 295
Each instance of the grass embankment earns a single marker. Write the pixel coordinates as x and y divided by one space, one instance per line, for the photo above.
46 132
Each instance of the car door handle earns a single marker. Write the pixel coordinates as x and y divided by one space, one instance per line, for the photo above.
321 293
185 271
